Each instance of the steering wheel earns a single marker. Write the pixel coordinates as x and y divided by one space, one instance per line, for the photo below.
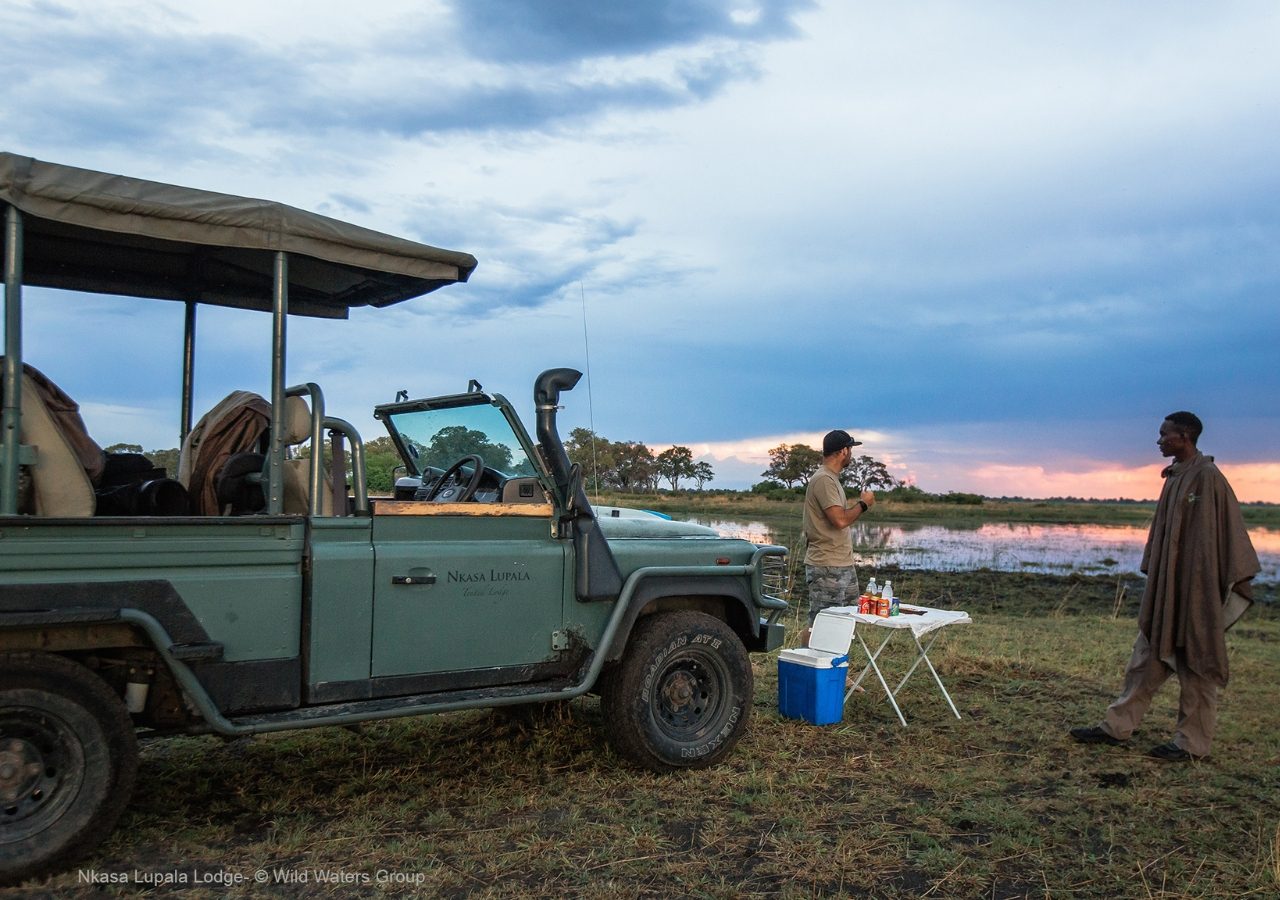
444 492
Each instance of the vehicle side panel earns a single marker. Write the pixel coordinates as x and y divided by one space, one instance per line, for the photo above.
241 579
340 622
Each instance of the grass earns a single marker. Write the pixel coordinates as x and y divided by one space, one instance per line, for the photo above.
998 804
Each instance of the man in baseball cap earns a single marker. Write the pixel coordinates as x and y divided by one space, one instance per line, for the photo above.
837 440
828 559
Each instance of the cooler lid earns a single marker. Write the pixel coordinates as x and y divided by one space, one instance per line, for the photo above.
833 631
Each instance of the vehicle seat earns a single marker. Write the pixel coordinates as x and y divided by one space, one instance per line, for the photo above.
67 459
297 471
240 424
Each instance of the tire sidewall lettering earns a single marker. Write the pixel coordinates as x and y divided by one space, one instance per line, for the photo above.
721 736
652 717
677 643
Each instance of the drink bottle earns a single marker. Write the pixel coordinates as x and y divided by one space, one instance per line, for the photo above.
867 604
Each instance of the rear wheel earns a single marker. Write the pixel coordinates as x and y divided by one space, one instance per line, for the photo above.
681 697
68 760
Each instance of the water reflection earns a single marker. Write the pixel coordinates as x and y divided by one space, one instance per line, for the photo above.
1010 547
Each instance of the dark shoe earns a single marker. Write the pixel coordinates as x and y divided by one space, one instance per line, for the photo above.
1093 734
1171 752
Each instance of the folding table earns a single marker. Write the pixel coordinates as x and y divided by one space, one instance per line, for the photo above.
918 621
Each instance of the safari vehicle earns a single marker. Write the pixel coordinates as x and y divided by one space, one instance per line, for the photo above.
258 591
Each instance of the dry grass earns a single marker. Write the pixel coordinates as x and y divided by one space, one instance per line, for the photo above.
998 804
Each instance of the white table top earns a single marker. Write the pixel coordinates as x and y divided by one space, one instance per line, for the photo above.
926 620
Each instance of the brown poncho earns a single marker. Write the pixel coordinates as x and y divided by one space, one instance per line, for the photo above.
1198 552
235 425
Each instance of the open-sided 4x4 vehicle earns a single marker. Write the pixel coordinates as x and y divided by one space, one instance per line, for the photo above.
257 590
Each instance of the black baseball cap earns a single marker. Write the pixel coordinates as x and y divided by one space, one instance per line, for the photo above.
837 440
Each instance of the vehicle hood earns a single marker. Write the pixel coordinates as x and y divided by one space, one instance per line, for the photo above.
633 527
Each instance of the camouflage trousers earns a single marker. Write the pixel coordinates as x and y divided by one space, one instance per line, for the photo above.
830 586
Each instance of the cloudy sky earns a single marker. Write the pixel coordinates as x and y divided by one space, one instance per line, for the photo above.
997 241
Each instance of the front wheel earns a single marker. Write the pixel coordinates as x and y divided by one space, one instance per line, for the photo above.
681 697
68 759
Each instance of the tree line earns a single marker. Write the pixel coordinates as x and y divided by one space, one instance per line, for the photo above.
625 466
792 465
631 467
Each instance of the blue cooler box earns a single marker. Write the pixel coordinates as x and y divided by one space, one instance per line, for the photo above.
811 685
811 679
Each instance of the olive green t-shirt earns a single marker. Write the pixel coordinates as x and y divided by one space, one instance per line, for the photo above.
828 545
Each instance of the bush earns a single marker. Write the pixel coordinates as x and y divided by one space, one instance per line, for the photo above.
773 490
962 499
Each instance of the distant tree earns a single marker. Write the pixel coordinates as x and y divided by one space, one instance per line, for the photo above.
381 459
635 466
161 459
164 459
792 464
595 454
452 443
702 473
865 473
910 493
578 447
675 463
805 460
962 498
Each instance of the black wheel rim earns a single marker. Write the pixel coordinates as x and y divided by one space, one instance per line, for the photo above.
689 695
41 770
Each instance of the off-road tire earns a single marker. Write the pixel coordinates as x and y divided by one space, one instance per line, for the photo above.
68 761
681 696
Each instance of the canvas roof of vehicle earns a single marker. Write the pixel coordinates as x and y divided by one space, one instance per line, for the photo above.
91 231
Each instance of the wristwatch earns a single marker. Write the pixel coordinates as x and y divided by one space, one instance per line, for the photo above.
863 504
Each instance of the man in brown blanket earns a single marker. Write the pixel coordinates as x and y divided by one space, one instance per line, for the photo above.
1199 563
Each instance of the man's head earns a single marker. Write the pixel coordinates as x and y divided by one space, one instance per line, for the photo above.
1178 435
839 442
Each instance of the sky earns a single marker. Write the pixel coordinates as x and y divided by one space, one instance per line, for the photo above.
996 241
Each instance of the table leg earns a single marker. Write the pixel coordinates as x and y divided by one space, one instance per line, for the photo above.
923 653
871 664
925 656
871 657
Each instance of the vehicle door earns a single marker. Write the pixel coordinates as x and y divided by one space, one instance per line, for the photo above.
476 586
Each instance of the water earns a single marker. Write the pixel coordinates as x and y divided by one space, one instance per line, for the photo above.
1008 547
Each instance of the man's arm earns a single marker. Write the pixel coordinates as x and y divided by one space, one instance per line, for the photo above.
844 516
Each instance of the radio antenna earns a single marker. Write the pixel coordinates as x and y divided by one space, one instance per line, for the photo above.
591 411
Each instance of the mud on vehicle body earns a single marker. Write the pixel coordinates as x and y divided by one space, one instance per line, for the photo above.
259 588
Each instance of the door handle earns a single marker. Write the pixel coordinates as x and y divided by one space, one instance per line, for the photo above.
413 579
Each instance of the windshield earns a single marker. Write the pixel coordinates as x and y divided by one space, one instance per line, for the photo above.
437 438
